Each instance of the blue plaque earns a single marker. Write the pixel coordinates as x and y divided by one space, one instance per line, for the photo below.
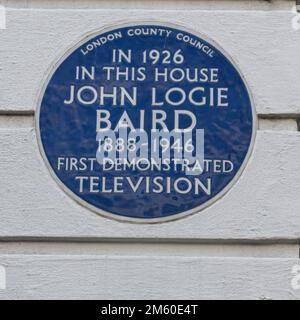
146 122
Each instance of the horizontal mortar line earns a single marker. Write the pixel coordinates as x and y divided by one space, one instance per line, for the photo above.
31 113
95 239
120 249
221 6
25 113
161 9
279 116
25 119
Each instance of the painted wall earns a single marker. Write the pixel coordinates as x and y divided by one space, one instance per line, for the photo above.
246 245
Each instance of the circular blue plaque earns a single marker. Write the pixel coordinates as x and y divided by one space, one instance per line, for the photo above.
146 122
